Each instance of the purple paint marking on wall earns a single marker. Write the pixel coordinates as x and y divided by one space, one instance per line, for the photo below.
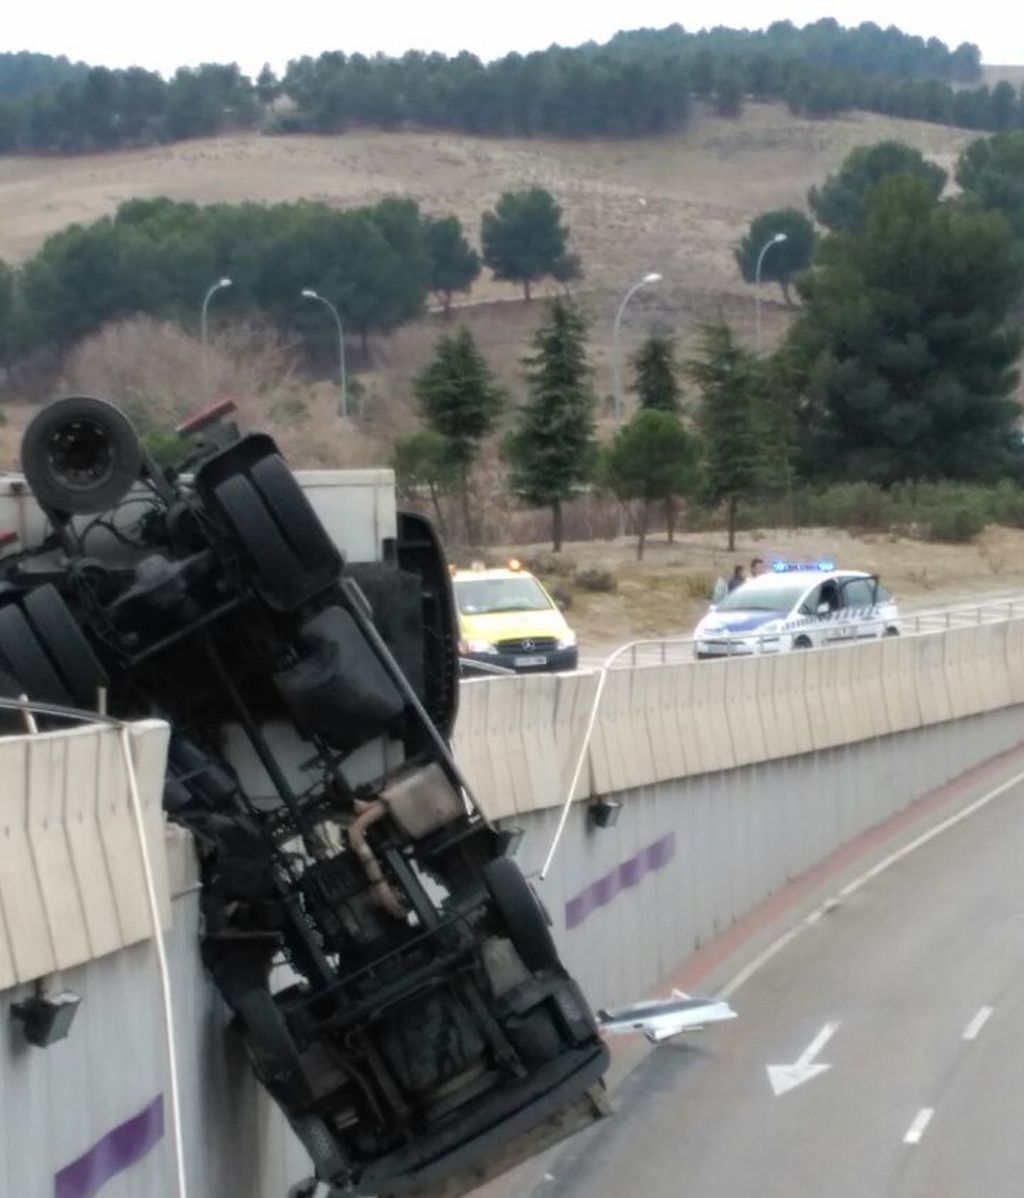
627 874
118 1150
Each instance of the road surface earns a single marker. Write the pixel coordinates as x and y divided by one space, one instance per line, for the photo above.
911 992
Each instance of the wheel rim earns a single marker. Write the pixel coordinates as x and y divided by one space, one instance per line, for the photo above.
80 455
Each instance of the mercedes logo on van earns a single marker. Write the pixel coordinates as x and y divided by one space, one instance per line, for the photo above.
529 646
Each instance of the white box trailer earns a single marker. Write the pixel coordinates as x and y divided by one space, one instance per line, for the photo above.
357 507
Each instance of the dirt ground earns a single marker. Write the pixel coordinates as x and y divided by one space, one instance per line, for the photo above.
669 591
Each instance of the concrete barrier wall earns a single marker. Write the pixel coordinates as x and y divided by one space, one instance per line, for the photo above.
96 1104
688 856
71 877
519 738
734 778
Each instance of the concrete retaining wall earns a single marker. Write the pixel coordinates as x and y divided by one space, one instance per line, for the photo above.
518 738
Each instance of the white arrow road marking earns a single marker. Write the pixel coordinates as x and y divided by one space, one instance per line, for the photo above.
916 1130
788 1077
972 1030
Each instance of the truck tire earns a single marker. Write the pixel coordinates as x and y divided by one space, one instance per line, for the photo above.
293 513
279 572
27 662
65 644
80 455
521 911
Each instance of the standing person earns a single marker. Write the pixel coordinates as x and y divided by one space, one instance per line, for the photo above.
738 577
756 567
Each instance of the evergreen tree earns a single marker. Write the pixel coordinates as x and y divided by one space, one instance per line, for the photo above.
551 449
6 315
454 264
268 87
786 259
524 239
461 401
652 458
729 418
990 171
842 201
907 355
420 461
656 382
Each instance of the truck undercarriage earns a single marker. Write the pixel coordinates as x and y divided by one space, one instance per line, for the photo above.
390 970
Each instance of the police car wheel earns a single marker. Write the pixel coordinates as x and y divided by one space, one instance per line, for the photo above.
802 642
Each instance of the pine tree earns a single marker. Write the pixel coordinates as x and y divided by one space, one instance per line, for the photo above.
461 400
907 346
551 450
729 418
652 458
655 378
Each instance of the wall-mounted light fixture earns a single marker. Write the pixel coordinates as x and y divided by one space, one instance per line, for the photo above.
46 1018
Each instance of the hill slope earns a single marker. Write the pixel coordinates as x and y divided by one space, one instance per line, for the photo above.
676 204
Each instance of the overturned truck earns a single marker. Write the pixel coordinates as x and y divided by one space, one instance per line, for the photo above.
390 970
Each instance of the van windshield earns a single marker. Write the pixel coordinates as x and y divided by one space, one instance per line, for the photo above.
478 596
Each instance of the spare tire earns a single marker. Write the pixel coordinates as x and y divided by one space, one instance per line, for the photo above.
520 909
80 455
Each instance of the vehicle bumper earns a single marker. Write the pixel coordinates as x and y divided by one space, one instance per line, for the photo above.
555 660
535 1112
715 647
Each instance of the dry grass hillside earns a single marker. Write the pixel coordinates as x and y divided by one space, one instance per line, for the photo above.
676 204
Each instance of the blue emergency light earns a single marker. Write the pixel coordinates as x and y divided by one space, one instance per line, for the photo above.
781 566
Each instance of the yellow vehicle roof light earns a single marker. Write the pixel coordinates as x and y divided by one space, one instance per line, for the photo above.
514 563
453 569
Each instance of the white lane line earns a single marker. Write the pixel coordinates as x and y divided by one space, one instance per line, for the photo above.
916 1130
830 904
977 1023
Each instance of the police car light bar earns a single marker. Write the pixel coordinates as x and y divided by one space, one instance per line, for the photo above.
781 566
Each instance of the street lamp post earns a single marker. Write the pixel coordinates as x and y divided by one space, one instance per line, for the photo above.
779 237
218 286
616 371
309 293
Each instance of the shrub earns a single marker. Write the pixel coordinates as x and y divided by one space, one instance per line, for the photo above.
596 580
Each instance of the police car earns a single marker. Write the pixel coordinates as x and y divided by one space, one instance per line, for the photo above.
797 605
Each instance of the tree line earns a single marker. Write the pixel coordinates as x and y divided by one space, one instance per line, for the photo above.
900 368
376 265
638 83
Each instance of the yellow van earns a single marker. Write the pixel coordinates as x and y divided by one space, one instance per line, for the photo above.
508 619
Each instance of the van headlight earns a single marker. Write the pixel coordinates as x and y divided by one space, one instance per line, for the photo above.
567 640
480 647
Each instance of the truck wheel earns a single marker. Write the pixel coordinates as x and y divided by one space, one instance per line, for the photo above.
802 642
891 632
65 644
521 911
27 663
80 455
279 570
293 513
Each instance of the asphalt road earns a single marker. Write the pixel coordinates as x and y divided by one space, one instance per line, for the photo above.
911 991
